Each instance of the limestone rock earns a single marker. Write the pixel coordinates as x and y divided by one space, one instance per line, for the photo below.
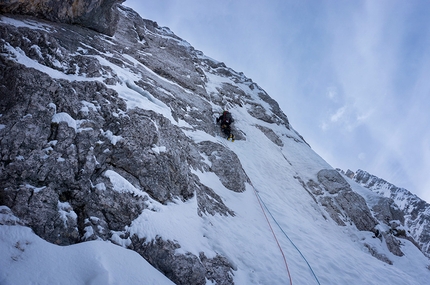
343 204
66 134
271 135
184 268
226 165
99 15
405 207
333 181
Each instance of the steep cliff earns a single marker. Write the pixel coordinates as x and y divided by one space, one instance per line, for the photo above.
108 133
82 111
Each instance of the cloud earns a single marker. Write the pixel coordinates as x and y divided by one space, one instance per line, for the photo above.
345 118
324 126
362 156
332 93
338 115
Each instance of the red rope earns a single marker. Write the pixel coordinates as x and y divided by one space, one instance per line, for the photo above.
280 248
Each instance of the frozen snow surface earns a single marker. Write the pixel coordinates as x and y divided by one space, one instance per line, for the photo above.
316 249
27 259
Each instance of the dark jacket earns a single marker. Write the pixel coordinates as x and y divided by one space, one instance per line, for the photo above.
225 119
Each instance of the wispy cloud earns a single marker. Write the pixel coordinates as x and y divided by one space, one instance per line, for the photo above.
338 115
332 93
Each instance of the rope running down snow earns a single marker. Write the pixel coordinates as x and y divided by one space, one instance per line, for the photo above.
280 248
304 258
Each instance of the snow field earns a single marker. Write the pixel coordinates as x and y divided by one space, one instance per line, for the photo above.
27 259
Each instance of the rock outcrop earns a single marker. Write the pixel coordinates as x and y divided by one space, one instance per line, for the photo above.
99 15
344 204
378 214
411 211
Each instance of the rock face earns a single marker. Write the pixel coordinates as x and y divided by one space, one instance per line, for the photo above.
99 15
81 162
97 130
343 202
377 213
407 208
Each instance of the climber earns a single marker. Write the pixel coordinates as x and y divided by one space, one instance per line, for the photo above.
225 120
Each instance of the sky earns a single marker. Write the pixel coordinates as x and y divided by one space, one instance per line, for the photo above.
352 76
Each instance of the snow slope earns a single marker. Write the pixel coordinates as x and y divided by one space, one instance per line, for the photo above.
27 259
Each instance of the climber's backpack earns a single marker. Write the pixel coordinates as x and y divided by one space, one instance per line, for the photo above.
227 118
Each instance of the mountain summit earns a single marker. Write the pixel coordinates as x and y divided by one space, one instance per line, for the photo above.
114 171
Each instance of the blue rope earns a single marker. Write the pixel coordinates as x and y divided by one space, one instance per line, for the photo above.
310 267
